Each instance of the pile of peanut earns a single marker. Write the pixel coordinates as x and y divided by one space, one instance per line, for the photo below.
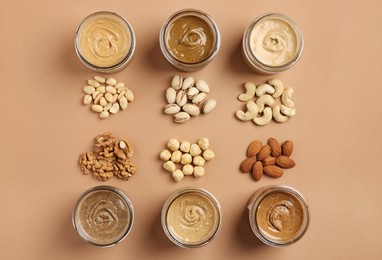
186 98
110 157
191 157
107 96
264 108
269 159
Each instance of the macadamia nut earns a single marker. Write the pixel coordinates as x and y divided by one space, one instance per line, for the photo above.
177 175
169 166
198 171
186 158
165 155
208 154
176 156
195 150
185 146
204 143
188 169
199 160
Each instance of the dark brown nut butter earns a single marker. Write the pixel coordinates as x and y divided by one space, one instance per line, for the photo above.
279 215
189 39
103 216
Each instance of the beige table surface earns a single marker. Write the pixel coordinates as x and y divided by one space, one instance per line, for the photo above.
337 130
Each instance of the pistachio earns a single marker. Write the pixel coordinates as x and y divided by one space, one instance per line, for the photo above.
170 95
95 94
109 97
129 95
103 102
176 82
171 109
202 86
93 83
107 107
209 105
181 98
181 117
191 109
104 114
97 108
192 92
119 85
98 98
188 82
101 89
199 99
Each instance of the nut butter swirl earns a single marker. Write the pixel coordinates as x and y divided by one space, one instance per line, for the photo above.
105 41
280 215
192 217
274 42
103 216
189 39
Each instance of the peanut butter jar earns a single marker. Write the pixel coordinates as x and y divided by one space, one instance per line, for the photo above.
278 215
105 42
189 39
103 216
191 217
272 43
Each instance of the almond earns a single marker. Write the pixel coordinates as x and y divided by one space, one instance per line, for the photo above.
257 171
247 164
273 171
287 148
254 148
264 153
275 147
269 161
285 162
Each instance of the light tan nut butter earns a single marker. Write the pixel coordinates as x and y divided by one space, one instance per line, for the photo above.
104 40
191 217
272 43
103 216
279 215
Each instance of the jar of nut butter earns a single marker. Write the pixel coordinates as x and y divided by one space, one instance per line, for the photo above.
103 216
189 39
278 215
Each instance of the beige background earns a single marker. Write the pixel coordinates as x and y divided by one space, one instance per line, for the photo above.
337 130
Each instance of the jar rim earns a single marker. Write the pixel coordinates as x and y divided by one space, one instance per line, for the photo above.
261 66
172 198
189 66
120 193
254 202
110 69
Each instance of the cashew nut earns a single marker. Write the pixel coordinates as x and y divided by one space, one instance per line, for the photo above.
288 111
278 85
264 100
286 98
252 111
265 119
278 116
264 88
250 89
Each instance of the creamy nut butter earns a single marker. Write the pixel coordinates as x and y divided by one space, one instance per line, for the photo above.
189 39
272 43
278 215
191 217
105 41
103 216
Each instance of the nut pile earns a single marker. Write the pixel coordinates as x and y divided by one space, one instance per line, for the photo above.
110 157
191 157
107 96
269 159
264 108
186 98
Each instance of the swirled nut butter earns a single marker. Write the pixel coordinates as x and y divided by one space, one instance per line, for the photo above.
189 39
272 43
103 216
279 215
105 42
191 217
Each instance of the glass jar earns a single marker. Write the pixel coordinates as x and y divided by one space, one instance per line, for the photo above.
189 39
103 216
278 215
191 217
272 43
105 42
